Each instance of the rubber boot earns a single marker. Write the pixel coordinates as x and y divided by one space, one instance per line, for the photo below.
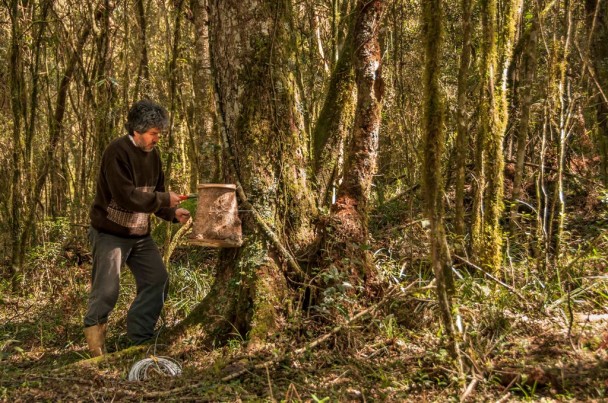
96 336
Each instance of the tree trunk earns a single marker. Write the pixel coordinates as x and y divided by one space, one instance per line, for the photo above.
35 70
169 140
565 114
334 123
17 107
527 70
479 235
204 143
142 85
486 230
461 118
349 214
266 151
434 143
105 91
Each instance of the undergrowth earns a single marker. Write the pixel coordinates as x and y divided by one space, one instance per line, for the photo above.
537 333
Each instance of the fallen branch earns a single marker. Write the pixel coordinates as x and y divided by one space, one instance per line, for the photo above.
117 355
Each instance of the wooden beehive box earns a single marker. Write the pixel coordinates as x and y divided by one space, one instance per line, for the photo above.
217 222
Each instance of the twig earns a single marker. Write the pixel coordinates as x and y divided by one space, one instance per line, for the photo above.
269 384
491 277
469 390
570 317
176 238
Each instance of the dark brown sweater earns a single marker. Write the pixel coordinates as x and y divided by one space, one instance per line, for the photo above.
130 187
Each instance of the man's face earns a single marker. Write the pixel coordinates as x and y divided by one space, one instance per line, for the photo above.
146 141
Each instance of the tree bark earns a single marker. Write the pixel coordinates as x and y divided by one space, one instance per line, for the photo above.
17 108
105 91
143 73
489 205
565 101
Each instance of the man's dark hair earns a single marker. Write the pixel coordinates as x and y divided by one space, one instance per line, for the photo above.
145 115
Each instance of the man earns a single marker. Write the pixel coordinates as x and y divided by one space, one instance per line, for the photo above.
130 187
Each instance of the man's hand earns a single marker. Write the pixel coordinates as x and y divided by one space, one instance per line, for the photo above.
174 199
182 215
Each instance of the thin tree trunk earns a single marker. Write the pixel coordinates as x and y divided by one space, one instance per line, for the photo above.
486 232
334 122
564 123
142 85
35 71
480 238
105 91
17 107
433 181
173 75
528 71
461 116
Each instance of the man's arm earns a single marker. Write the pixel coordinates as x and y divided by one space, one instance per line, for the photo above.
120 180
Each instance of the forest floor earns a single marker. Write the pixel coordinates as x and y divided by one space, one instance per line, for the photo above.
378 359
539 336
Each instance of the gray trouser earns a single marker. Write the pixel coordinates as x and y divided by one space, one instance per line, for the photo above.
110 252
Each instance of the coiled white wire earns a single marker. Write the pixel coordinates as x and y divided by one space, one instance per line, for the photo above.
162 365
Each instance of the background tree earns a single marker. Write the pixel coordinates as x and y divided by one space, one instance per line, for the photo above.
433 182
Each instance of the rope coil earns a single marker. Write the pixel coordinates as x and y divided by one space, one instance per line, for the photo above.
167 366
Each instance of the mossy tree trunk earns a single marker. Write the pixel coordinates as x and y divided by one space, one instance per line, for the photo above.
334 123
18 112
493 109
266 146
434 144
345 247
558 209
487 109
